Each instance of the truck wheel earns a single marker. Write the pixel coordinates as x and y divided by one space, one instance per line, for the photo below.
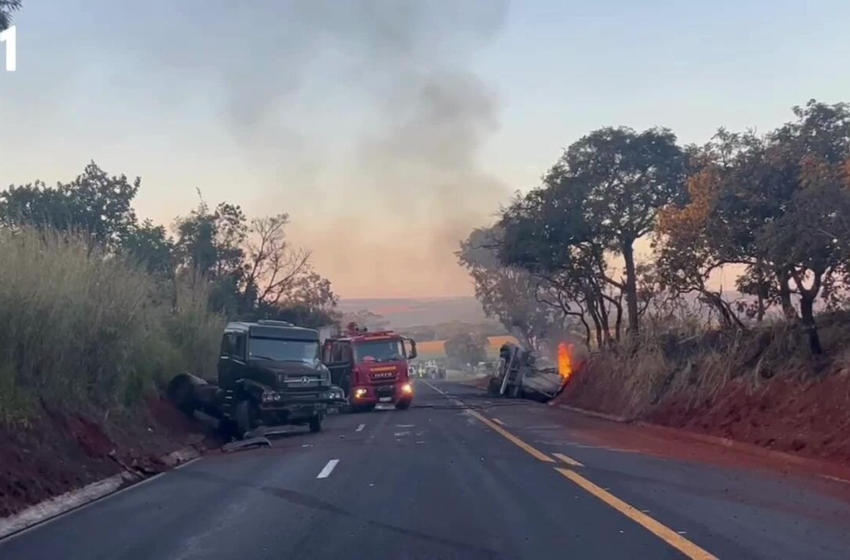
402 405
244 416
316 423
229 430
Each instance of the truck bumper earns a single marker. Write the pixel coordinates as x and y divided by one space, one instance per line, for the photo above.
382 394
292 410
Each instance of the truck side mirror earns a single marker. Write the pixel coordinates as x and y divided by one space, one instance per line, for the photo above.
412 354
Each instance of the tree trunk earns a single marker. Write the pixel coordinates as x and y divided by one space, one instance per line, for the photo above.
782 277
591 310
631 286
807 310
618 326
587 335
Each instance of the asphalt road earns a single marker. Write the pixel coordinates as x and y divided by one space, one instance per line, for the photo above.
441 481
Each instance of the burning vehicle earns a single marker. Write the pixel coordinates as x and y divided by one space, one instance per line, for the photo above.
525 374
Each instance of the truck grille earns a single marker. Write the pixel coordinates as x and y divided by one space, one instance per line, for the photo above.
304 381
384 391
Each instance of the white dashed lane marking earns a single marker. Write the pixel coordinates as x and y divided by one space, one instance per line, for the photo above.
567 460
326 472
360 428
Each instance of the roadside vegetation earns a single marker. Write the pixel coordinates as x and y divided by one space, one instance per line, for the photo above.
701 276
98 307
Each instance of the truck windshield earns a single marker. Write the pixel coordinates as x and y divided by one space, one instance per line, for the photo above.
378 351
279 350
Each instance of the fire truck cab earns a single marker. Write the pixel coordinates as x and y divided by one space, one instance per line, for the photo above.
371 368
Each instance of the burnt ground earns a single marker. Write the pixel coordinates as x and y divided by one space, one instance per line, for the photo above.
58 452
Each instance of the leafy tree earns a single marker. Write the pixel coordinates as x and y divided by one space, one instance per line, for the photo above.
807 236
6 9
688 245
152 247
94 203
775 203
547 233
625 178
465 348
506 293
253 269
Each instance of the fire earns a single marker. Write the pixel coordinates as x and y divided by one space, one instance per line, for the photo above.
565 362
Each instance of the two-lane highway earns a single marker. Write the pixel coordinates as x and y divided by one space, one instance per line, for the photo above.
435 481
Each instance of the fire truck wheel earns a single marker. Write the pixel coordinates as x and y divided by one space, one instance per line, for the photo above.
402 405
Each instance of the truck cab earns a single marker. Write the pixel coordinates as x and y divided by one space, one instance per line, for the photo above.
270 374
371 368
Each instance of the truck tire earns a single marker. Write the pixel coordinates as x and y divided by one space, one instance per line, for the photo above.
316 423
402 405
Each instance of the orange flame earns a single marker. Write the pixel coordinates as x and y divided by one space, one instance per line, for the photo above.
565 362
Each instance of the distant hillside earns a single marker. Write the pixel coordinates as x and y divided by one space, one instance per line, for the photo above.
404 313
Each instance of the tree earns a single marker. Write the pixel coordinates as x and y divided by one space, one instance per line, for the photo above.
255 272
688 245
807 236
6 9
626 177
465 348
275 269
506 293
776 204
547 233
151 246
94 203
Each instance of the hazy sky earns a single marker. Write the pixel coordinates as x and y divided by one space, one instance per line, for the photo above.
388 129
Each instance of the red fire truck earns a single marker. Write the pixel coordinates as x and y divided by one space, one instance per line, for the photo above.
371 367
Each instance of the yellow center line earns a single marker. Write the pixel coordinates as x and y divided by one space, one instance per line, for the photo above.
663 532
539 455
666 534
567 460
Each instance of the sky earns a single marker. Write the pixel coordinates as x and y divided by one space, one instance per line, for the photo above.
386 129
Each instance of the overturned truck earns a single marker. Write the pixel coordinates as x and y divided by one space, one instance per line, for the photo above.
524 375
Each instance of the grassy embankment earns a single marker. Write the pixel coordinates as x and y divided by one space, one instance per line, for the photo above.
83 331
760 386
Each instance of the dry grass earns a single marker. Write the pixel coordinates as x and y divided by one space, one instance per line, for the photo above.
79 328
636 376
436 348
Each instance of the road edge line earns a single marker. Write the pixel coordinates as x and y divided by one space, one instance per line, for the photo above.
74 500
655 527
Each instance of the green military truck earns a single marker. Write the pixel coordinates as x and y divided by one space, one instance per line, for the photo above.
269 374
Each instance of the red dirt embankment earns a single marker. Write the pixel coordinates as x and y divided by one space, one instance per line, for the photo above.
803 414
57 452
